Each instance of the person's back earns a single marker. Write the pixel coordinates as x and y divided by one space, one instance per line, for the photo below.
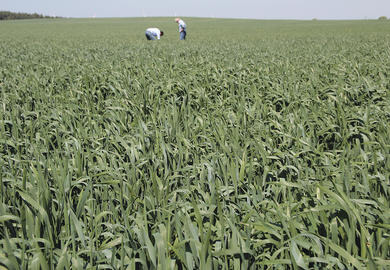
153 33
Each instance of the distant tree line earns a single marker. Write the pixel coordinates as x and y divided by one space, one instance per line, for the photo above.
7 15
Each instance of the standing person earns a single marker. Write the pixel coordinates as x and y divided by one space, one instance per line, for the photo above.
153 33
182 28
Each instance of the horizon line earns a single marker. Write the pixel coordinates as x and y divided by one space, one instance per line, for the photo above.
206 17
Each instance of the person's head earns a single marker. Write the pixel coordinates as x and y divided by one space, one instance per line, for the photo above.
161 33
177 20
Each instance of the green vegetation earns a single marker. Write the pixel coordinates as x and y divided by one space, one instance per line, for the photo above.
7 15
252 145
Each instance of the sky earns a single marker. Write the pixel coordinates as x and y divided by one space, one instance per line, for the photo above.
257 9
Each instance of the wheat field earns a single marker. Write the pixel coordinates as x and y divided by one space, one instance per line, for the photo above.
251 145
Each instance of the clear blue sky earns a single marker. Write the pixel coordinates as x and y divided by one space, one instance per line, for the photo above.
259 9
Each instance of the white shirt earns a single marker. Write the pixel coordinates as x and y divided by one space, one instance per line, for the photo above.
155 32
182 25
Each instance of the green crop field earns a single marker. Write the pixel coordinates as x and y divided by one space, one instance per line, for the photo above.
251 145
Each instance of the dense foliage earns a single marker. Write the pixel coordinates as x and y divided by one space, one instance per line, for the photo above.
252 145
8 15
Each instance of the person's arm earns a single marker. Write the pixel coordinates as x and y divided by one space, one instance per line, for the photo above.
158 35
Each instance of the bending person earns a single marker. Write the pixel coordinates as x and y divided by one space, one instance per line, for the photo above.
182 28
153 33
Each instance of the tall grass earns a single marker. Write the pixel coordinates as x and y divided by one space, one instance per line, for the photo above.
265 151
